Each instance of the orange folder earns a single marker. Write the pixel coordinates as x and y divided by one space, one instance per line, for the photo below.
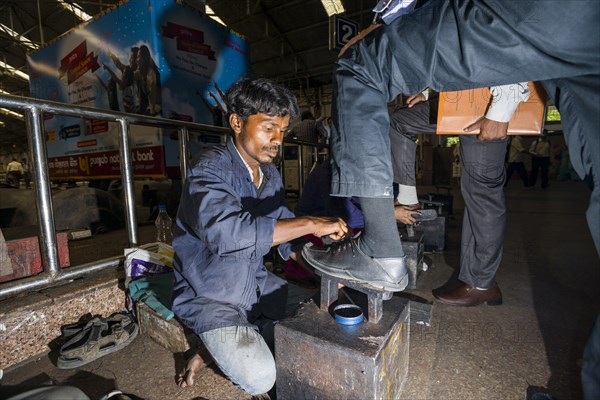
458 110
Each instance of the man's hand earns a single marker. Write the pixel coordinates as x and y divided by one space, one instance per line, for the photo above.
405 216
415 99
488 130
335 228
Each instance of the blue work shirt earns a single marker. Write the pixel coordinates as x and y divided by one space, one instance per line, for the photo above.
224 227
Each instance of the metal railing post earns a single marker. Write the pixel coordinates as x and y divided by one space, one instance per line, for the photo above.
41 177
127 181
43 195
184 151
300 168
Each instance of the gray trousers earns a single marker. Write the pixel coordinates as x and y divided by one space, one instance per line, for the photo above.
482 187
482 181
461 44
405 124
243 356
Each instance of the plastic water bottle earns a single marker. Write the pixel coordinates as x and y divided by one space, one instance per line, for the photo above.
163 225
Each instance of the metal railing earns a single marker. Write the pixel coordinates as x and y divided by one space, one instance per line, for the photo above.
34 110
317 149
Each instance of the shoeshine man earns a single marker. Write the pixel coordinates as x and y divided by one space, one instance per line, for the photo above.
232 212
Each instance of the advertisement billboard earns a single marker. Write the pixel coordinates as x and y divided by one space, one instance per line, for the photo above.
152 57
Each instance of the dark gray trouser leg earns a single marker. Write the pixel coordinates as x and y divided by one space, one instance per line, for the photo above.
520 168
404 150
536 164
590 372
405 124
482 182
577 100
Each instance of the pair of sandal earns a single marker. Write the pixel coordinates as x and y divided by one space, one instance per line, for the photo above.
86 342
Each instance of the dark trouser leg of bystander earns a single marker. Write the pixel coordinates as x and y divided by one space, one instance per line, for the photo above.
535 166
520 168
482 178
482 181
545 167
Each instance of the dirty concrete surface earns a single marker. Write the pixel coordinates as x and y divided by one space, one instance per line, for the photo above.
550 279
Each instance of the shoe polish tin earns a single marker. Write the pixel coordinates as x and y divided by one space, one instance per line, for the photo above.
348 314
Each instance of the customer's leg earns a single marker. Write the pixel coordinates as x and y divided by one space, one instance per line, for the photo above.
590 372
482 177
243 356
405 124
577 100
404 150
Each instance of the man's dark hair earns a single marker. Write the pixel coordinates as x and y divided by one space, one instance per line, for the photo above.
250 96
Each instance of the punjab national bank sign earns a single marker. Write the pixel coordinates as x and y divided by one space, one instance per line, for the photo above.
152 57
146 162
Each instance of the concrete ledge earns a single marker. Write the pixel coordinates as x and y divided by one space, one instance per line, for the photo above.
28 323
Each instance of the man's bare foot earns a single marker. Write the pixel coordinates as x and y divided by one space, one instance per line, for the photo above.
198 361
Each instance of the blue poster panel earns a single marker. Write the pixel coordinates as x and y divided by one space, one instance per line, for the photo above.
151 57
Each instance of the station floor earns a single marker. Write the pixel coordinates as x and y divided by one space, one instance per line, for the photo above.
550 279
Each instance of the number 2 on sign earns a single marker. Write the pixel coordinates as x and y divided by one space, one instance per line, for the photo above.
347 33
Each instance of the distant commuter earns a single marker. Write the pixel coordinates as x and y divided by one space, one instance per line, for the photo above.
14 171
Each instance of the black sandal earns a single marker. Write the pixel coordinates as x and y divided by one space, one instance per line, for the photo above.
98 338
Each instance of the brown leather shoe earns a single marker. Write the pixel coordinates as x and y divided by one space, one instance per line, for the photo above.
468 296
452 284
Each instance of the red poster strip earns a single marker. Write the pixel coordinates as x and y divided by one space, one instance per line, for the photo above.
77 54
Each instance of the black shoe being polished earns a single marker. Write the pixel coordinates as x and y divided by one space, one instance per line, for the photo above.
346 260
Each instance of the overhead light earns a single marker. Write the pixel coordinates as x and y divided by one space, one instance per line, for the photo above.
2 123
10 112
3 92
333 7
75 9
22 39
211 14
14 71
